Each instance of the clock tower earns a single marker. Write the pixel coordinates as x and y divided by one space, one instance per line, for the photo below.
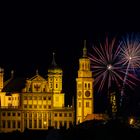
84 95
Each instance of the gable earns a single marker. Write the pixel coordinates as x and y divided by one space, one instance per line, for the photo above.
37 78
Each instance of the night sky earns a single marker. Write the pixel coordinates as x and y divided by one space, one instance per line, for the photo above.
31 32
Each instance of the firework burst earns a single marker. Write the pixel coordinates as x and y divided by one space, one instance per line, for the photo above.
105 64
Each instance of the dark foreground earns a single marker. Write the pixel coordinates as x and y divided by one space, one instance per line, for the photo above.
91 130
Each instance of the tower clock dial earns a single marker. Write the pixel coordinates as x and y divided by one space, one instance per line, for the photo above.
87 93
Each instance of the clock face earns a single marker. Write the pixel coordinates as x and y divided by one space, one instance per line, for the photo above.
87 93
79 93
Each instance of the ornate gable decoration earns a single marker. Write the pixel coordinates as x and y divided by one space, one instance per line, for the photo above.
37 78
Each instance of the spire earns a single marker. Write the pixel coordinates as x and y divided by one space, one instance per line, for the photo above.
85 49
37 72
53 60
12 73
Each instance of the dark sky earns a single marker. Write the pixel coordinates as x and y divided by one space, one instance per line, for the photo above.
30 32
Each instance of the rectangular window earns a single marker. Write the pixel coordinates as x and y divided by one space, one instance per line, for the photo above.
18 114
14 114
70 114
35 123
3 114
60 114
40 123
25 106
60 124
9 98
8 124
49 106
18 124
65 114
30 106
87 104
45 106
35 106
55 124
14 124
3 124
25 123
30 123
65 124
40 106
25 97
44 98
55 114
79 104
49 98
9 114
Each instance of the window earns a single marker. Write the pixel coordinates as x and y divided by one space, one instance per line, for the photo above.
40 115
87 104
25 106
65 114
44 98
14 114
44 106
65 124
35 106
8 124
60 123
35 114
70 114
9 114
85 85
25 115
30 123
9 98
55 114
25 123
35 123
56 85
30 114
79 104
89 85
49 98
14 124
40 123
30 97
40 106
30 106
18 114
3 114
3 123
49 106
55 124
25 97
18 123
60 114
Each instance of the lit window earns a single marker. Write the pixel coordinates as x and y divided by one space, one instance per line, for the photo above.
60 114
3 114
70 114
79 104
14 114
87 104
55 114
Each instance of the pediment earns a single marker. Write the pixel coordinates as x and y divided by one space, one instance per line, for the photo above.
37 78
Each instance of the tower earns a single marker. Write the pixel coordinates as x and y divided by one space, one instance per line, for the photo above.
55 83
1 79
84 95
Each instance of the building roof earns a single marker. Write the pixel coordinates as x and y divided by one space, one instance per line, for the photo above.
14 85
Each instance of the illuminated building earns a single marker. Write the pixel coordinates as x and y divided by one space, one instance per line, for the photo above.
34 103
84 102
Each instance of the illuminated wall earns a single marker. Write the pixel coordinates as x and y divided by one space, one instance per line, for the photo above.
84 102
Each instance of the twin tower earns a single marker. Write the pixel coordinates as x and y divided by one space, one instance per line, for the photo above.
84 95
